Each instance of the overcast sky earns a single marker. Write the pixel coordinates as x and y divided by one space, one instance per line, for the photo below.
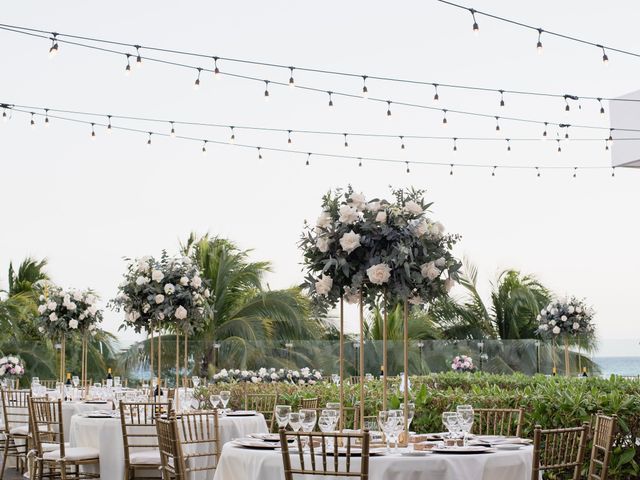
86 204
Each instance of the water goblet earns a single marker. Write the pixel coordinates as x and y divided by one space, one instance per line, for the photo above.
465 420
385 422
451 422
308 419
215 400
282 415
225 395
411 411
295 421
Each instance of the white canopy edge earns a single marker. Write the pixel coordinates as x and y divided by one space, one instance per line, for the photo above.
625 153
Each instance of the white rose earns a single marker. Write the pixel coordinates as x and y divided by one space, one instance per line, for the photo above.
578 309
351 295
142 280
41 298
379 274
413 208
42 309
563 318
324 220
157 276
92 309
207 293
348 214
82 316
554 311
322 243
449 284
145 308
576 326
543 312
350 241
420 228
373 206
53 317
71 306
77 296
323 286
52 305
73 324
196 282
544 328
159 298
556 330
436 230
430 271
66 300
41 329
181 313
415 300
169 289
571 309
552 323
184 281
381 217
358 201
441 262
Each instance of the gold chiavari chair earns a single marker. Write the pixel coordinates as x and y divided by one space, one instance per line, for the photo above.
367 418
50 384
498 421
51 450
326 455
349 417
173 464
264 403
139 435
354 379
559 450
15 411
200 437
309 403
603 434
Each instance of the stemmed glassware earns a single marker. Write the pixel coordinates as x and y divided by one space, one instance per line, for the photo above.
282 415
411 411
308 419
75 380
451 421
465 420
196 381
390 422
215 400
295 421
225 395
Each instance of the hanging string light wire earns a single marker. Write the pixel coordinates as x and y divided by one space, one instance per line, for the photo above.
134 50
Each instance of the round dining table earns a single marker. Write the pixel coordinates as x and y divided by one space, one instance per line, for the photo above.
105 434
239 463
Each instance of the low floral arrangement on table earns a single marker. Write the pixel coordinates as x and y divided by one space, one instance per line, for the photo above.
155 293
375 247
64 312
566 317
462 363
304 376
11 367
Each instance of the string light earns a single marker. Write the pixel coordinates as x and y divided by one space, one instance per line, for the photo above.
53 51
451 170
611 134
346 143
46 117
289 137
127 69
408 169
436 97
546 124
232 139
204 147
365 90
33 122
308 159
109 124
172 133
606 145
401 142
216 70
567 108
613 171
149 140
330 99
359 162
455 144
605 57
559 147
493 171
93 131
538 172
259 153
266 90
566 131
502 98
444 117
508 145
575 172
601 106
196 84
476 28
497 124
539 44
388 108
292 82
5 117
138 57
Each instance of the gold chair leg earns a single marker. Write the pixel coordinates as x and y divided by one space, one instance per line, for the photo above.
4 456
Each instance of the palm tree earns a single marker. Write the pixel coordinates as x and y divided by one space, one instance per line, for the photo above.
29 276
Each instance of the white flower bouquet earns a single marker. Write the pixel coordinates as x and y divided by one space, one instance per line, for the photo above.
159 292
462 363
565 317
11 367
64 312
368 247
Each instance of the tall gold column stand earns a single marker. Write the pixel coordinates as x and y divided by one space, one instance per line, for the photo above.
406 370
341 366
361 360
62 358
177 395
159 362
384 351
567 367
151 355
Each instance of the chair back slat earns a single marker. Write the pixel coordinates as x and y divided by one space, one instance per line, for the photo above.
498 421
46 424
315 462
559 450
200 437
15 408
138 424
171 456
603 435
309 403
264 403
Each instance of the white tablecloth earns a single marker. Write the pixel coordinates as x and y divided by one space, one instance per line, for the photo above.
106 436
237 463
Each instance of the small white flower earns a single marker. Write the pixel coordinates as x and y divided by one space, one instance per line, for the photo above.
42 309
52 305
41 298
73 324
142 280
351 295
157 276
430 271
92 309
348 214
563 318
196 282
543 312
41 329
323 243
576 326
323 286
379 274
169 289
415 300
324 220
350 241
449 283
413 208
578 309
181 313
145 308
53 317
544 327
71 306
159 298
436 230
571 309
552 323
77 296
441 262
358 201
207 293
420 228
556 330
373 206
381 217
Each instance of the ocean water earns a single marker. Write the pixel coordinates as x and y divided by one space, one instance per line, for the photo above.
618 365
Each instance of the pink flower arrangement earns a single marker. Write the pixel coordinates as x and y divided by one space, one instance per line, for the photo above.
462 363
11 367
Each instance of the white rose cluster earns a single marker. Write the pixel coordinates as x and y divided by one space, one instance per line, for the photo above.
304 376
63 312
565 317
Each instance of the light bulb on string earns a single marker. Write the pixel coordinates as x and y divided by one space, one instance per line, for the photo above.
5 117
33 121
266 90
493 171
292 82
196 84
216 70
149 140
611 135
613 171
436 96
546 124
127 69
53 51
346 143
330 99
501 98
232 139
567 107
93 131
455 144
601 106
566 132
172 133
138 57
204 147
539 44
538 172
46 117
365 90
508 145
308 160
606 145
408 169
388 108
259 153
559 147
476 28
497 124
109 124
444 117
289 141
451 169
575 172
605 57
359 162
401 142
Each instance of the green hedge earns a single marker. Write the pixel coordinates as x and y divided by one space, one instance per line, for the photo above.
548 401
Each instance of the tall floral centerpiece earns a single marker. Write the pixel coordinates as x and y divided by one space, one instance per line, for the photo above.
168 293
63 313
11 369
362 250
566 318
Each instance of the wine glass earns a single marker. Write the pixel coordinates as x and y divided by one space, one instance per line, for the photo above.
451 421
397 417
385 422
465 420
282 415
75 380
295 421
215 400
117 382
35 380
411 411
225 395
308 419
196 381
